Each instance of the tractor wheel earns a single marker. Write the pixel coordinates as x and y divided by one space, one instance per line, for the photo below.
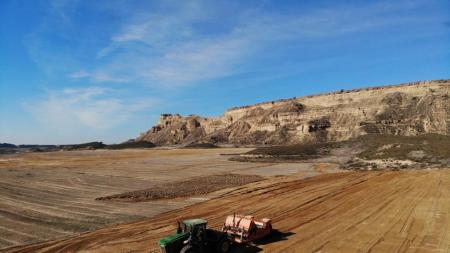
189 249
223 246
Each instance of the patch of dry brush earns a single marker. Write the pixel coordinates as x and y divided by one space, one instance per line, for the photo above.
186 188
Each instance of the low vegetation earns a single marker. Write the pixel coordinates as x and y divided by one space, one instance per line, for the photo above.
186 188
373 152
427 147
393 152
6 148
297 152
133 144
89 146
201 145
101 145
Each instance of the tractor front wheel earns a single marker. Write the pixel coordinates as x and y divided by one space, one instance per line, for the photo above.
223 246
189 249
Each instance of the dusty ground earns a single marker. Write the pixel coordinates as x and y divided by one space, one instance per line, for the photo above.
52 195
341 212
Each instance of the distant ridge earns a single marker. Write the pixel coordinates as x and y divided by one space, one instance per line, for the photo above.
406 109
445 81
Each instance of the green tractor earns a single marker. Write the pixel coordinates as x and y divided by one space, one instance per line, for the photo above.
194 237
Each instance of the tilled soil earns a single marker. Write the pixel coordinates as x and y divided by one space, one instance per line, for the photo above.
44 196
341 212
186 188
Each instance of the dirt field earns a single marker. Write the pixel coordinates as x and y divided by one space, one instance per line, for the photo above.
340 212
52 195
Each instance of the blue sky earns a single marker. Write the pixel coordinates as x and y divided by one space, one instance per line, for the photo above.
75 71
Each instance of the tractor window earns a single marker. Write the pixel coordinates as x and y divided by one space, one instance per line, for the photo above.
193 229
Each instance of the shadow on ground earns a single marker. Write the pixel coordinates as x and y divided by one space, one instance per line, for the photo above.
276 236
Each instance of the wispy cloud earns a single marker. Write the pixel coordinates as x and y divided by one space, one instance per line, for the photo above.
80 108
63 8
79 74
98 76
171 49
173 44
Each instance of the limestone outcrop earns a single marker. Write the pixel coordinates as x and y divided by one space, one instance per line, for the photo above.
406 109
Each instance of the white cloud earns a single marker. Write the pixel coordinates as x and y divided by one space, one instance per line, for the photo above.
62 8
86 108
171 44
98 76
169 50
79 74
200 60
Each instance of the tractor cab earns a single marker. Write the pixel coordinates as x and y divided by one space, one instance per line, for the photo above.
188 231
196 228
192 226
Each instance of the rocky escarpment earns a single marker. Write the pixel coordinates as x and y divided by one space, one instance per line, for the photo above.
407 109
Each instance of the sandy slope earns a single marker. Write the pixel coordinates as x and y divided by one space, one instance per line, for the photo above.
342 212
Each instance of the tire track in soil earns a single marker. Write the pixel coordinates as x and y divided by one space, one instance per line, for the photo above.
343 212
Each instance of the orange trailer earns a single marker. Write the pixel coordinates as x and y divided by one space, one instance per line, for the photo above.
244 228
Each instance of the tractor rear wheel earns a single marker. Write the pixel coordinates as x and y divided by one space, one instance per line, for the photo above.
223 246
189 249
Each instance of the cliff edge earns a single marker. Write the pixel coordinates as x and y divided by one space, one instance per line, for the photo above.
406 109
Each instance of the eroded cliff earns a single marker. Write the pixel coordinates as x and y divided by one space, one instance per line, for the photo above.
406 109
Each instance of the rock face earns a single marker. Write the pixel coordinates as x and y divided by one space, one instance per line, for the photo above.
406 109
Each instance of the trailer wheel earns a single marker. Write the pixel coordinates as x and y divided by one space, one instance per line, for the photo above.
223 246
189 249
